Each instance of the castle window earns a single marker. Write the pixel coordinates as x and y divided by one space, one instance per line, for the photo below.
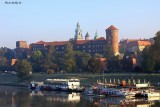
83 46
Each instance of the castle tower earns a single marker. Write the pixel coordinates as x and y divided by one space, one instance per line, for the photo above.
78 33
112 38
96 36
87 37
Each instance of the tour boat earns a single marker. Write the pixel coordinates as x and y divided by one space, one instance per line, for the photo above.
60 85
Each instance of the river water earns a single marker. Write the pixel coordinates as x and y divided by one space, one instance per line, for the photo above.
23 97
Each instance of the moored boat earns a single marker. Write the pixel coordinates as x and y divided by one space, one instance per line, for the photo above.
71 85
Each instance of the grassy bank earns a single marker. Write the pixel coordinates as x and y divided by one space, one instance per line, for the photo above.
85 78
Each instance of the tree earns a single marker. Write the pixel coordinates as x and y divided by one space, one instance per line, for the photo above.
94 65
68 59
81 60
96 55
2 61
108 52
151 57
36 60
114 64
36 56
23 69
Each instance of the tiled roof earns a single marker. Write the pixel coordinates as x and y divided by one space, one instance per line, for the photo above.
64 42
125 41
86 41
40 42
82 41
144 43
56 43
112 28
139 43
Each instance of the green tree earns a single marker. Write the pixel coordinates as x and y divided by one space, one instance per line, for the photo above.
148 60
2 61
114 64
96 55
68 60
23 69
151 57
94 65
36 60
81 60
36 56
108 52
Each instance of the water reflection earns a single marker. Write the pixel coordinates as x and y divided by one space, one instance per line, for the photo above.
22 97
124 102
57 96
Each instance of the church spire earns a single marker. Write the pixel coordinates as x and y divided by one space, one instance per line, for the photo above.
78 25
87 37
78 32
96 35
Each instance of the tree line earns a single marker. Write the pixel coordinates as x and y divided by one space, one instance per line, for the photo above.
49 61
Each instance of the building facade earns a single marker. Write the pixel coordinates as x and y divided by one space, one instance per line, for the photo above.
87 45
135 45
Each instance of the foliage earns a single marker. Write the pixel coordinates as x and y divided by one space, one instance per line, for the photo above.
98 55
114 64
36 60
23 68
151 57
94 65
81 60
68 59
50 71
108 52
2 61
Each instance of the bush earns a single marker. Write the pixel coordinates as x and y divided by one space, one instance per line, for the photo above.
50 71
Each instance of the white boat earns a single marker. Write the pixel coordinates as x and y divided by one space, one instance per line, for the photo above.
64 84
112 92
151 94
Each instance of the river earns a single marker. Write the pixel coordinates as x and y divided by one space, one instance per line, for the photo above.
23 97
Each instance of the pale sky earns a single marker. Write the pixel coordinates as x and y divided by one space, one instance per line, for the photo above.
55 20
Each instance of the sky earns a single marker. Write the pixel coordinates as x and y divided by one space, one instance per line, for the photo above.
55 20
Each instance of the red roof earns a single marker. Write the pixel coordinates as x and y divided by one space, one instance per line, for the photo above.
86 41
139 43
125 41
51 43
82 41
56 43
112 28
144 43
40 42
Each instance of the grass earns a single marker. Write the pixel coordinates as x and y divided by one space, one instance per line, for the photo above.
85 78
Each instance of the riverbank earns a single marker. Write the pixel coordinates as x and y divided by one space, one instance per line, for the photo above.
8 79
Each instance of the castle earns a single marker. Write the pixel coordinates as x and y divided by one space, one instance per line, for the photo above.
87 45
